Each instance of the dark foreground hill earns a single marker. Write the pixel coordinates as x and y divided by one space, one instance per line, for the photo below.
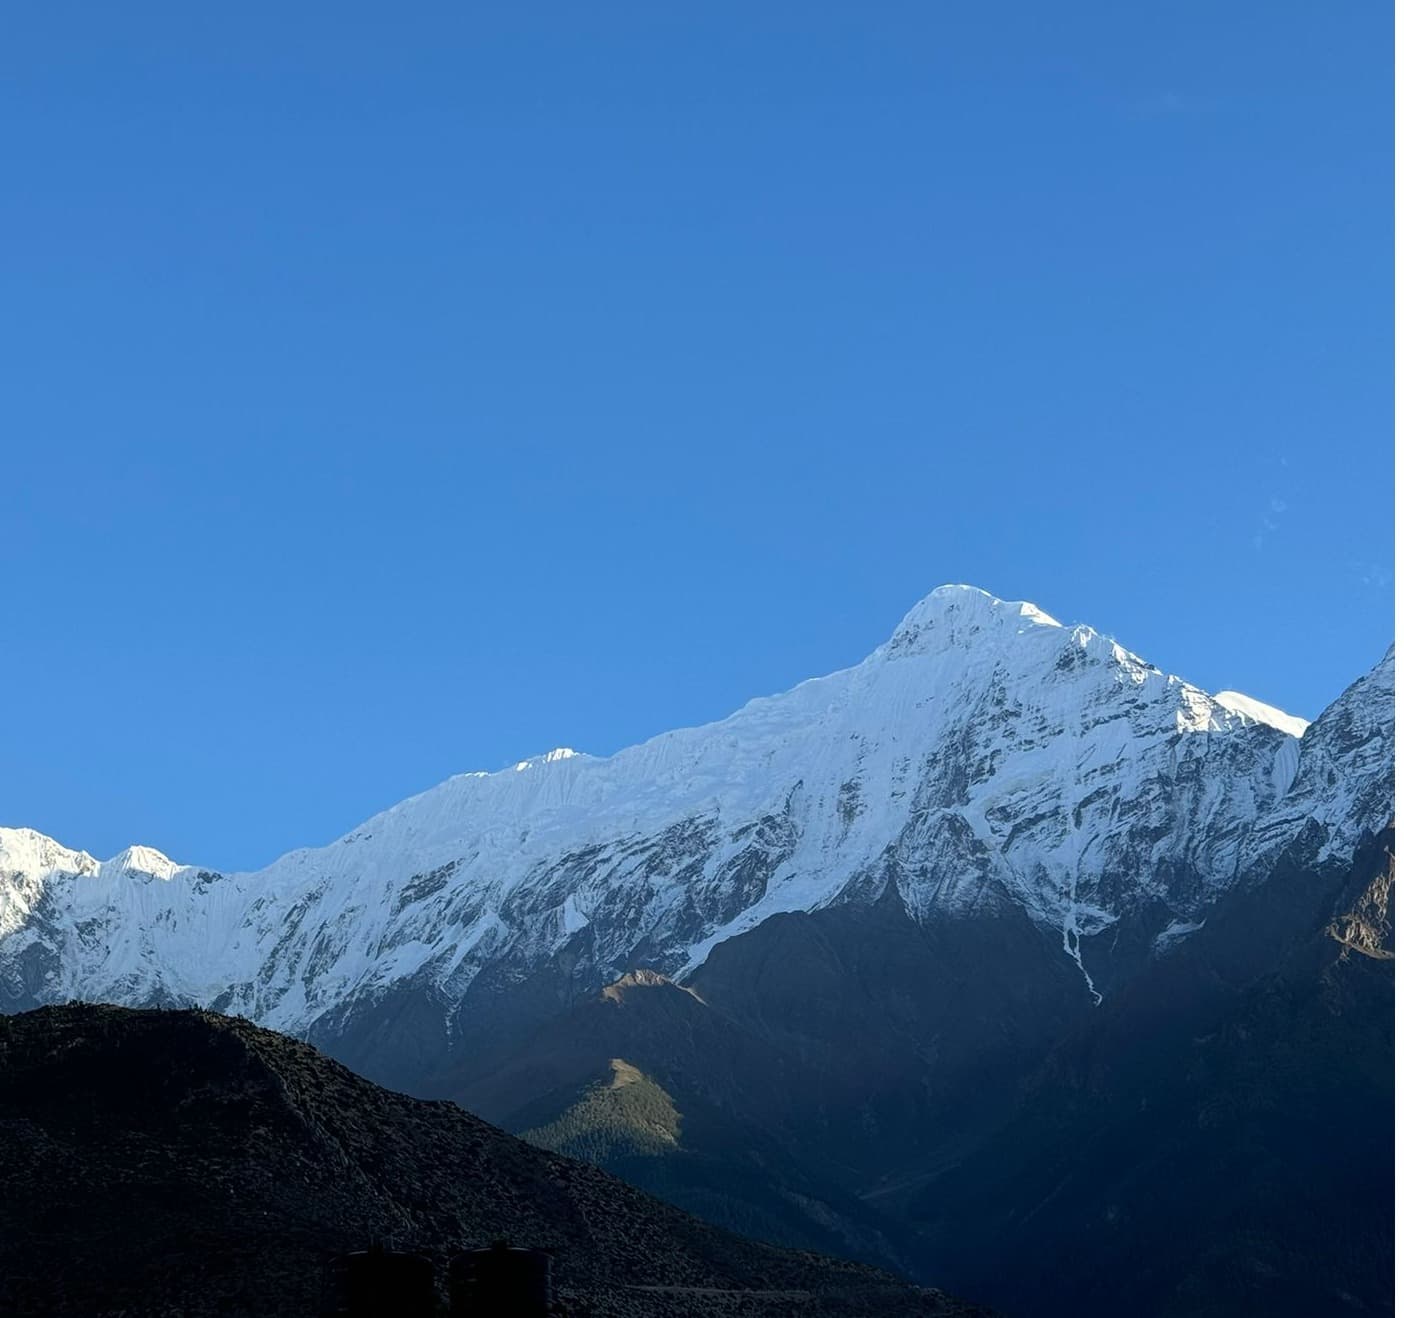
180 1162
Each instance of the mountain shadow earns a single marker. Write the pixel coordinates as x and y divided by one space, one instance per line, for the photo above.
181 1162
1220 1143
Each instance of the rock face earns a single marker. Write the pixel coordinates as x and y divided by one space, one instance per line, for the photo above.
831 943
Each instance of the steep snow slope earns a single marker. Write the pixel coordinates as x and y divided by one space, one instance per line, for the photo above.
1255 709
985 754
1344 775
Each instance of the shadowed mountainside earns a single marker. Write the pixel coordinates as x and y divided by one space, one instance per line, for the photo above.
1221 1143
1215 1139
184 1162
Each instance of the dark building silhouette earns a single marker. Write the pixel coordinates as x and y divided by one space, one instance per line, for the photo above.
500 1282
378 1283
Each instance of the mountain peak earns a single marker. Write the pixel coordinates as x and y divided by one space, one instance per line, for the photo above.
550 757
141 860
956 615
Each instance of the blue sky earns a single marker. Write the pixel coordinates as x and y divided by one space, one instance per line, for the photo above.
396 391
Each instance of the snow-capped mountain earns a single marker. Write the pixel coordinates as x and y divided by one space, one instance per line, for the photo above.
985 755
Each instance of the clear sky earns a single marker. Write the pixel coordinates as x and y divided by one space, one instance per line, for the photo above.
396 390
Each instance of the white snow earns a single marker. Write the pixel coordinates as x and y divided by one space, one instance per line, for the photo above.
551 757
573 918
1176 931
1261 713
985 752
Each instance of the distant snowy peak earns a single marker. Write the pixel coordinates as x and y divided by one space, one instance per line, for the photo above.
956 617
30 862
1262 713
28 851
965 620
551 757
959 617
24 849
142 862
